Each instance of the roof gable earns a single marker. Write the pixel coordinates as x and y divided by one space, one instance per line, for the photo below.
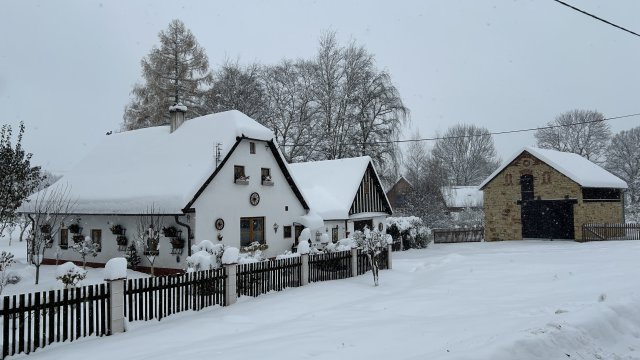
577 168
370 196
330 186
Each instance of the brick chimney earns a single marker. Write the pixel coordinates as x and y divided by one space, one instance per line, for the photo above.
177 112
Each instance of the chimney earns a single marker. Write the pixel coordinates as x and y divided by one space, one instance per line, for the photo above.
177 116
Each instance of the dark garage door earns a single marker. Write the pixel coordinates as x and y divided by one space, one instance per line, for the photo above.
547 219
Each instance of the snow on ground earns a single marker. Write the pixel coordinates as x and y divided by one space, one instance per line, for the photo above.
504 300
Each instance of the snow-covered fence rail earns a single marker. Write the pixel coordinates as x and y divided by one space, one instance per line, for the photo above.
258 278
364 265
441 236
159 297
600 232
330 266
35 320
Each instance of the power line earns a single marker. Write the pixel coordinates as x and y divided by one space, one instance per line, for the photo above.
596 17
478 135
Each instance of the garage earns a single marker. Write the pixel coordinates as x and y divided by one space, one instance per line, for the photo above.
548 219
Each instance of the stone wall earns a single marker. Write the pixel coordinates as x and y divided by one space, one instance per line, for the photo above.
502 193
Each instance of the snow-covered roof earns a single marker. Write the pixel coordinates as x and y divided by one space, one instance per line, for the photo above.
130 171
462 196
573 166
330 186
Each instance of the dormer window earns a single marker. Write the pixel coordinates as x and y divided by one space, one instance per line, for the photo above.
238 175
265 175
252 147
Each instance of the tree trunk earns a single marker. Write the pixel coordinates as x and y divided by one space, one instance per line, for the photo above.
37 273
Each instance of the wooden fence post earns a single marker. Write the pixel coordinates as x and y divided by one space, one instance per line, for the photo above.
116 294
354 262
231 286
305 269
389 262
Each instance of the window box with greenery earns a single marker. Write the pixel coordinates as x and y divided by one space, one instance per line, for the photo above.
74 229
177 243
117 229
78 238
170 231
266 177
45 228
121 240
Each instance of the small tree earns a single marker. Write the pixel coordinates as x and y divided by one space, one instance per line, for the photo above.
69 274
133 259
6 260
373 243
147 239
47 211
86 248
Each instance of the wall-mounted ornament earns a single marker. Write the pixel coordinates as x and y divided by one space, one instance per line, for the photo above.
380 226
219 237
219 224
254 198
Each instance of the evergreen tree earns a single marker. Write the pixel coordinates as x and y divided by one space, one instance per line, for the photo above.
18 179
133 259
176 72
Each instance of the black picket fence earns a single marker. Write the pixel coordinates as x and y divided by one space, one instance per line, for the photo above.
330 266
258 278
364 265
159 297
35 320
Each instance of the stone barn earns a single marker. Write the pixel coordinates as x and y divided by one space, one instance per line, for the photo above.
548 194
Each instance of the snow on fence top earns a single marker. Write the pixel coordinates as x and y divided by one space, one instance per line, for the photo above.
573 166
130 170
330 186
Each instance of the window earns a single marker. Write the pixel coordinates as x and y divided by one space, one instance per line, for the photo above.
64 238
600 194
252 147
251 230
526 187
287 232
298 230
286 208
359 225
265 176
334 234
96 236
238 174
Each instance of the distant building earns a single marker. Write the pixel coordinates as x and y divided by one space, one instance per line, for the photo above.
458 198
549 194
397 196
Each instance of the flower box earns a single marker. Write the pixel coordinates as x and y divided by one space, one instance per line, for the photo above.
121 240
116 229
74 228
177 243
78 238
170 231
46 228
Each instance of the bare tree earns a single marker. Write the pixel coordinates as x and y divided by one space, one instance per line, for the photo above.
176 72
85 248
236 87
467 154
47 211
148 226
373 243
6 260
583 132
623 159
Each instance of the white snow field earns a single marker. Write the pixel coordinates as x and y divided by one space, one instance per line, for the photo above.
504 300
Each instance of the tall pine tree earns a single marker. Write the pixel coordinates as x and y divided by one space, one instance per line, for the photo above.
177 71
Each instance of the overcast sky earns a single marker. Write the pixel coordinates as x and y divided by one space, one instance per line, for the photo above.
67 67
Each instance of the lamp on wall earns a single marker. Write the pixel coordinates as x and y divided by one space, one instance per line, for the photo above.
275 227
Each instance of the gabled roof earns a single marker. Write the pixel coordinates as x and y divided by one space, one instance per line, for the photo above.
577 168
330 186
132 170
462 196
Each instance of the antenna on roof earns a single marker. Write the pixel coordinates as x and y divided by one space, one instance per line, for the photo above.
218 152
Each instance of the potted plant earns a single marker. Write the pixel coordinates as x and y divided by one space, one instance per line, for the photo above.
170 231
121 240
267 181
116 229
74 228
177 243
78 238
45 228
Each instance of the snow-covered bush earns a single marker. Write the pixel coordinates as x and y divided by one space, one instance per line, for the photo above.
6 260
230 255
252 252
287 255
341 245
205 256
70 274
303 247
372 243
410 231
86 248
115 269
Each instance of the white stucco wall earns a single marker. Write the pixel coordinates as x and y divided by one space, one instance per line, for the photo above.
109 246
229 201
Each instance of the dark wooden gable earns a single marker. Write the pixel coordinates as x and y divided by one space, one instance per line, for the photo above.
370 196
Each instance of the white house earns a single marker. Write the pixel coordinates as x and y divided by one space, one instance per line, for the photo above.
345 193
218 177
